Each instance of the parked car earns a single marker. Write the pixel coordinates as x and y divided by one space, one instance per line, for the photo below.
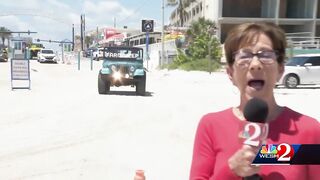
47 55
3 55
122 66
302 69
87 52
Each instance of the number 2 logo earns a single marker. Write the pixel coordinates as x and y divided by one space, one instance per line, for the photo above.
251 140
285 152
259 133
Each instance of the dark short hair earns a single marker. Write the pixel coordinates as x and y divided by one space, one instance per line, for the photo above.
244 34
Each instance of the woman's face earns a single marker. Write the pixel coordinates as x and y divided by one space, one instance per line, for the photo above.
256 70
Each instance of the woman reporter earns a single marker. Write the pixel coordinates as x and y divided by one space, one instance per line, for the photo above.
255 55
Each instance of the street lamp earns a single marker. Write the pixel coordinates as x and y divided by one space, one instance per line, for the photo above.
212 31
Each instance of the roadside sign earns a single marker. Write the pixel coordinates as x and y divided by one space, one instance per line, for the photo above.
147 26
20 70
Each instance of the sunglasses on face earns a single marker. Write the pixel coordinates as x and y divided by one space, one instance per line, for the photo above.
245 57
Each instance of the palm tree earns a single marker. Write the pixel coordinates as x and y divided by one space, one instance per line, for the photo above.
182 12
202 40
200 26
5 33
182 5
88 40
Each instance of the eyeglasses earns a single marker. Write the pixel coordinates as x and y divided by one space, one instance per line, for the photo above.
245 57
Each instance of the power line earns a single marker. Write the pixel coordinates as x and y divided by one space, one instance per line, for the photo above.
34 13
136 10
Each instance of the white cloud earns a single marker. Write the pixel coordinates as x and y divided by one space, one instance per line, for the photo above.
21 4
57 4
14 23
102 7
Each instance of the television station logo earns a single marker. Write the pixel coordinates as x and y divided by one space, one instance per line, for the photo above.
276 154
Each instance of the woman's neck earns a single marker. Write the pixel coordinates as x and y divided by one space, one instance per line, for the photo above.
273 109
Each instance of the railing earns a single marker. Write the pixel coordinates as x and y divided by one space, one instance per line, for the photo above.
303 42
302 45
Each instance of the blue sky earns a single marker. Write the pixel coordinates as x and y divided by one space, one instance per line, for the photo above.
53 19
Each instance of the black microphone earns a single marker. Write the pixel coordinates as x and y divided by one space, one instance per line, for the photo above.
256 111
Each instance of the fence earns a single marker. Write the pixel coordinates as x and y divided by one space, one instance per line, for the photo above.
302 45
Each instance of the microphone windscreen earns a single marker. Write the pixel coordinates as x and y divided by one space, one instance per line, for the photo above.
256 110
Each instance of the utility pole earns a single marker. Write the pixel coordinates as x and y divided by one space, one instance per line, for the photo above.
81 31
84 29
72 37
114 22
162 35
212 33
97 36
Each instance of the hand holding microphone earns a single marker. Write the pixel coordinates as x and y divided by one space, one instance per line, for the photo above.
240 162
255 132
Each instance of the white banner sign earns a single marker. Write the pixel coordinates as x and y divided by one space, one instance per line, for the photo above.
20 69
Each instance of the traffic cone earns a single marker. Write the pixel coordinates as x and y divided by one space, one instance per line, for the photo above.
139 175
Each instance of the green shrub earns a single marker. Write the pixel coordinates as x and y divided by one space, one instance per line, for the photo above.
170 66
181 58
199 65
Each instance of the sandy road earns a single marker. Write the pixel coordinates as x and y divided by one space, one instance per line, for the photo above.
63 129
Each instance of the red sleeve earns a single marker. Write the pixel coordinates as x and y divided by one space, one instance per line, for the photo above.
203 161
203 156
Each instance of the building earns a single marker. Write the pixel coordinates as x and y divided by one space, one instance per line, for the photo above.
106 36
138 39
19 45
300 19
192 11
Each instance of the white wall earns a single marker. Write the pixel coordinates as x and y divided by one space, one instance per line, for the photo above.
211 9
155 51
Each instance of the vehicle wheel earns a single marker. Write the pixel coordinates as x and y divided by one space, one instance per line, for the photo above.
141 86
103 86
291 81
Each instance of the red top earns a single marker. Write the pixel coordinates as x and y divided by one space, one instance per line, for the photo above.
217 139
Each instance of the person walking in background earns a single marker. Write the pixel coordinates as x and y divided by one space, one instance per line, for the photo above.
255 54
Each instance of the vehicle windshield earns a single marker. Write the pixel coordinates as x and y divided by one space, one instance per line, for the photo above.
124 53
36 46
296 61
47 51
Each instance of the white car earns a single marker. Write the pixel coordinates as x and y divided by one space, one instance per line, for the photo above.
47 55
303 69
